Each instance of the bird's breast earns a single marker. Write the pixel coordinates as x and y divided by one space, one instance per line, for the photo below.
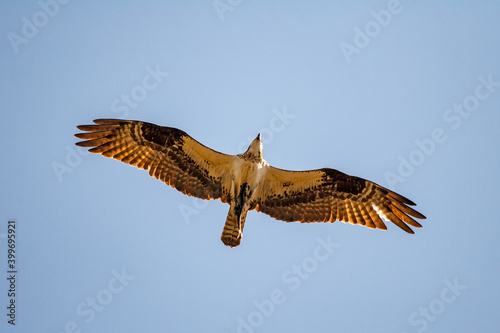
248 172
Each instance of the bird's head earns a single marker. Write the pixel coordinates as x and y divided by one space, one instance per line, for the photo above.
254 151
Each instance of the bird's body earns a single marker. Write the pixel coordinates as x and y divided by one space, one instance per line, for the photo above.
246 181
247 173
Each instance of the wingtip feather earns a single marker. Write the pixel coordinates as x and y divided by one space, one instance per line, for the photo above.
108 121
81 144
401 198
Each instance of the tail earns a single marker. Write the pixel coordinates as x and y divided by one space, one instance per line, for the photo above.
231 236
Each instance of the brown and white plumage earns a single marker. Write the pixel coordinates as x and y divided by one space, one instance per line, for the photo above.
246 181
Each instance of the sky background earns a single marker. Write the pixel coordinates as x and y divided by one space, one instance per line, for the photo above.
371 88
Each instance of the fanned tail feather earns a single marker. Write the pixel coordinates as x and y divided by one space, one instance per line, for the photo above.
231 236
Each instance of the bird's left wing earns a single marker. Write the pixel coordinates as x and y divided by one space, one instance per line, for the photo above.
169 154
327 195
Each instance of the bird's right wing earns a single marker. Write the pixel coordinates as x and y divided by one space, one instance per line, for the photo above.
327 195
169 154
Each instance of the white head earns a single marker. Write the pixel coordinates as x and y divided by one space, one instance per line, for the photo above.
254 151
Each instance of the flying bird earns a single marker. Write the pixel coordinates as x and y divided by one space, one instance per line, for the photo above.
246 181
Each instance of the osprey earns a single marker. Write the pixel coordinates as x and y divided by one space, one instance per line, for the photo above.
246 181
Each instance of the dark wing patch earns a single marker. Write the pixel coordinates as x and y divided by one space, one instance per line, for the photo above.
327 195
169 154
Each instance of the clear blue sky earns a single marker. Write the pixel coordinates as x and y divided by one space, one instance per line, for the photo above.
406 94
